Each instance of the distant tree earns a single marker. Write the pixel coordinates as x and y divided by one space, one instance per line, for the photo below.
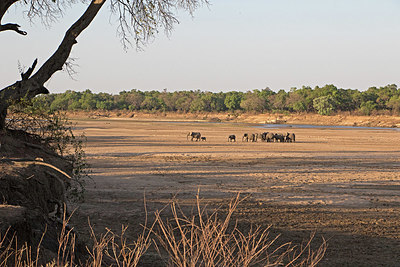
134 99
138 21
296 101
199 104
324 105
253 102
169 100
212 102
304 100
344 100
217 101
394 104
232 100
265 95
151 103
88 101
367 107
329 99
370 95
59 103
43 102
104 101
278 100
184 102
385 94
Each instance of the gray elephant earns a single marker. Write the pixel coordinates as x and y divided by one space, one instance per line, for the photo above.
245 137
194 135
290 137
253 137
203 138
279 137
267 137
232 138
263 136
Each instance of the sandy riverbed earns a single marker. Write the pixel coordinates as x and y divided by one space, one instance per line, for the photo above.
344 184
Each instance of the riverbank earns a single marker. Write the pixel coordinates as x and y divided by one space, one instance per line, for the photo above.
269 118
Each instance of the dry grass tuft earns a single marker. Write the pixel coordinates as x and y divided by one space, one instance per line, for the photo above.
202 239
206 239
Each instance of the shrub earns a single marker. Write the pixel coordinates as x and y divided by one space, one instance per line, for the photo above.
54 130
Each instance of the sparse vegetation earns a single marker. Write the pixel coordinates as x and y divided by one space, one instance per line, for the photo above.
55 133
201 239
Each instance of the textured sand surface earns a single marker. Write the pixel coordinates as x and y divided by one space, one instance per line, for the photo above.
342 183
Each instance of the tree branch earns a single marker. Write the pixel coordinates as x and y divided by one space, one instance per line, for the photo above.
12 27
4 6
30 86
58 59
28 73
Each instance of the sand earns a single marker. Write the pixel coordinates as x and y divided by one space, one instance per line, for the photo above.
342 184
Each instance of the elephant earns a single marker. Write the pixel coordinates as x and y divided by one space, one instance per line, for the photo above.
194 135
267 137
290 137
232 138
245 137
203 138
253 137
279 137
263 136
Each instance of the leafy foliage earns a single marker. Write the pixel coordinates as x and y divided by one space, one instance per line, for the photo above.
324 100
325 105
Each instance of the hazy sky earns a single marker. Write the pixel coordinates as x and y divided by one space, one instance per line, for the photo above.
231 45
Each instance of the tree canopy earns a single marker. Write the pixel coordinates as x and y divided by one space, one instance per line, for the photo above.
324 100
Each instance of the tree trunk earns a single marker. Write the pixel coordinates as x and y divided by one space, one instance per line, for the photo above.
30 86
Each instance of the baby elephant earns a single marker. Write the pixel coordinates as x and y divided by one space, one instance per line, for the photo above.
290 137
203 138
232 138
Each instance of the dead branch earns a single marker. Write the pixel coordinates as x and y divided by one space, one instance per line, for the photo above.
12 27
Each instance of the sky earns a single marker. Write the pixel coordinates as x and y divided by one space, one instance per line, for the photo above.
229 45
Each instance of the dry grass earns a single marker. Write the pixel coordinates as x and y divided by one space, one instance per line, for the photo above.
206 239
202 239
12 254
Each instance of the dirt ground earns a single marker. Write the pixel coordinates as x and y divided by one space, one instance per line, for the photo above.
342 184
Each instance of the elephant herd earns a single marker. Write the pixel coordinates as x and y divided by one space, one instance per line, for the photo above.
253 137
269 137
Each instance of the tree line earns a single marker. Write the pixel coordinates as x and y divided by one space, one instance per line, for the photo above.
324 100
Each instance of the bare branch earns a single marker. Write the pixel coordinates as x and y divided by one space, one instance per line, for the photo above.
12 27
28 73
4 6
47 10
58 59
140 20
70 67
